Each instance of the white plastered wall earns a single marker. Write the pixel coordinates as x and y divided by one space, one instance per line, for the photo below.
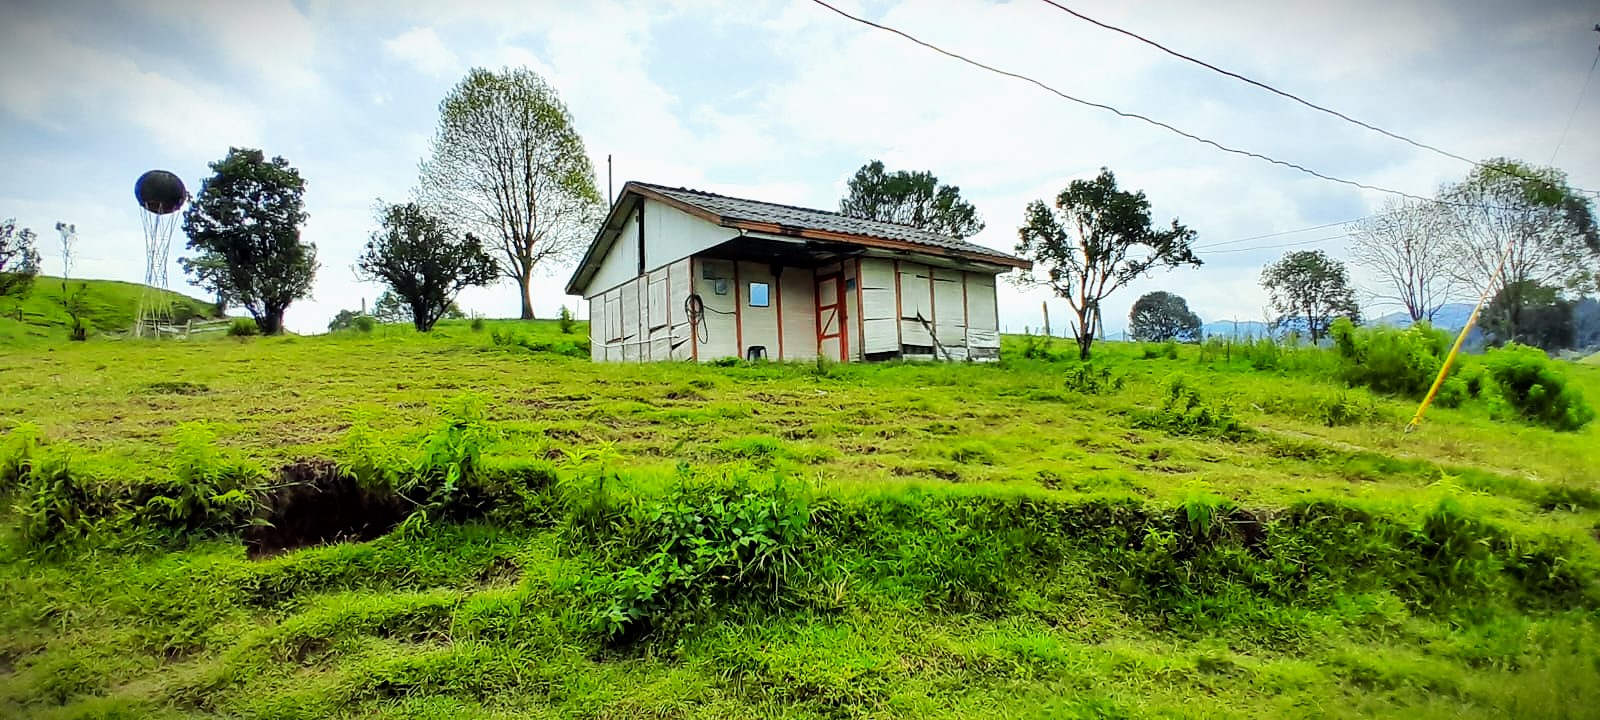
797 293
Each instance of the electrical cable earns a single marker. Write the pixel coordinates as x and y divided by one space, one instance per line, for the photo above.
1208 246
1575 106
1130 115
1281 245
1301 100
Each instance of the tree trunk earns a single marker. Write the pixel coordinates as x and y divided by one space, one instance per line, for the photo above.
1085 332
271 320
527 297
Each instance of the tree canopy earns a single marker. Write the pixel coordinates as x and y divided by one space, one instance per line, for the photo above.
909 198
19 260
1543 318
1159 316
1407 247
245 224
1310 290
1543 229
508 165
1097 239
424 261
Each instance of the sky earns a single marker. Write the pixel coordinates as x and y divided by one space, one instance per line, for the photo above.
782 100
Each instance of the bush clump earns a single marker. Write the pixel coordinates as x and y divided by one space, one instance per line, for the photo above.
244 327
1184 412
1532 385
1388 360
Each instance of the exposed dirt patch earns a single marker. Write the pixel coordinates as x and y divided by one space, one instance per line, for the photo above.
312 504
176 387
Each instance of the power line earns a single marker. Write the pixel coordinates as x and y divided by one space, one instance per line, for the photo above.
1308 103
1262 85
1280 245
1130 115
1584 89
1206 246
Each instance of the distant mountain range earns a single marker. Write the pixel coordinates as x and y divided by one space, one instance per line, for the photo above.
1451 317
1237 330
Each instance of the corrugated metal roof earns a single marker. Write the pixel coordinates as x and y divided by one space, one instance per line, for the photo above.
732 208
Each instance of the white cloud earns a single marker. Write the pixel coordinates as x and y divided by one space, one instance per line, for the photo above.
421 48
65 84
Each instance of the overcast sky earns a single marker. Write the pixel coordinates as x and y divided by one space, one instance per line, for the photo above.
782 100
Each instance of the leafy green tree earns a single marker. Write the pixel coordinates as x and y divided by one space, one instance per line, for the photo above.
424 261
1161 316
1543 318
508 165
245 224
351 320
1097 239
1548 226
1310 290
910 198
19 260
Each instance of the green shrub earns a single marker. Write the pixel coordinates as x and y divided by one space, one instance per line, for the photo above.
1039 347
1264 354
1184 412
1346 409
210 491
477 324
1536 388
1091 380
691 550
17 455
567 323
1392 361
1167 350
1216 348
365 323
243 327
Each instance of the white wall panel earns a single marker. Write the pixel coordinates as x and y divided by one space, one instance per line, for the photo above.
630 321
799 309
718 335
916 292
656 309
949 307
882 335
981 302
852 311
678 286
621 262
671 234
759 324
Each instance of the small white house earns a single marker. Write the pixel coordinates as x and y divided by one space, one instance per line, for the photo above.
678 274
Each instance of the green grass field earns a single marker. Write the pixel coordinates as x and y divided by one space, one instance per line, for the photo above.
1016 540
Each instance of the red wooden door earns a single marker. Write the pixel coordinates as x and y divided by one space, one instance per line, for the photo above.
831 340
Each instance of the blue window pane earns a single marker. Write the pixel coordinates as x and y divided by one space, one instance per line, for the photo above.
758 294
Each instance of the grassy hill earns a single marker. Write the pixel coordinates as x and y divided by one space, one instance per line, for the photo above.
111 306
1035 539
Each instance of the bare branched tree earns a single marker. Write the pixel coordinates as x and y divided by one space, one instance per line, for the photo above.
1548 227
508 166
1408 247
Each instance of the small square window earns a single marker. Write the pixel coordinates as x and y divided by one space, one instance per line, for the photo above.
758 295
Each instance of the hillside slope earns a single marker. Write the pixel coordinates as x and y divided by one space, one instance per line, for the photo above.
1032 540
111 306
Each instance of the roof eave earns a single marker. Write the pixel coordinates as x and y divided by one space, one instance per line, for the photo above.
876 242
612 225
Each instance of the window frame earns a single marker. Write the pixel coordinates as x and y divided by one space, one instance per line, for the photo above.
766 294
